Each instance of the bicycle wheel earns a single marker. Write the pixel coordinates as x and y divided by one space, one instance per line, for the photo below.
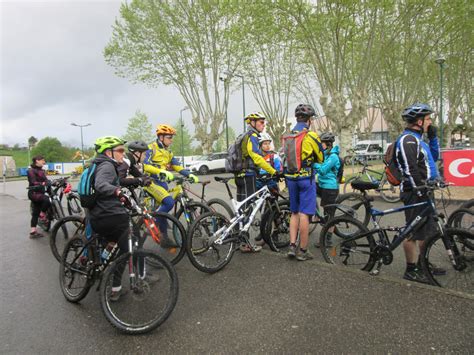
336 248
172 245
220 206
388 192
75 270
357 202
204 254
193 210
64 230
442 198
462 218
347 185
58 210
74 205
469 204
459 277
146 299
275 227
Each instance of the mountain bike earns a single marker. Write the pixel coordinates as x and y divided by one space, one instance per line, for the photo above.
450 249
149 282
462 218
388 192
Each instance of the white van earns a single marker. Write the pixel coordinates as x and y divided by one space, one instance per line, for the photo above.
370 149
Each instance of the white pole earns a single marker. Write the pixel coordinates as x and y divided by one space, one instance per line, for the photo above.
4 175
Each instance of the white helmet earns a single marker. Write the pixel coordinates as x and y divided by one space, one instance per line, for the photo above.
264 137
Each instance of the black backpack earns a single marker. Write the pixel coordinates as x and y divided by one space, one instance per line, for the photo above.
235 162
340 172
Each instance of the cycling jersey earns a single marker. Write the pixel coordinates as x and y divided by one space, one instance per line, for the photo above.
416 160
253 155
158 158
327 171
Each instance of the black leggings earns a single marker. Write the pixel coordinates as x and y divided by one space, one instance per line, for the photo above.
246 186
114 229
36 208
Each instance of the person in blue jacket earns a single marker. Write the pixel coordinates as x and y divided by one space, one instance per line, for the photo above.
328 185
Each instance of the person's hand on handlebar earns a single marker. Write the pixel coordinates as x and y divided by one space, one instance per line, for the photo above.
144 180
167 175
123 198
194 179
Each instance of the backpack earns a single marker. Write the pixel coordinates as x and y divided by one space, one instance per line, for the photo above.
85 189
394 176
340 172
234 162
292 145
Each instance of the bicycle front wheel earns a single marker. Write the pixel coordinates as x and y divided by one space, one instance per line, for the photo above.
220 206
360 208
186 216
462 218
203 252
64 230
275 227
388 192
438 266
75 278
140 303
340 243
74 205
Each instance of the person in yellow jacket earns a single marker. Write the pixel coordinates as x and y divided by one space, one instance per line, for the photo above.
302 185
254 160
158 160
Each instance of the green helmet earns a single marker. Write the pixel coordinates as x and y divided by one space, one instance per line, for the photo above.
108 142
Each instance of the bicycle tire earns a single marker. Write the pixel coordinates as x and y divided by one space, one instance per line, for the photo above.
64 230
462 218
357 202
442 198
223 206
469 204
392 195
459 278
336 251
275 227
74 205
157 298
195 209
73 264
200 249
347 185
173 254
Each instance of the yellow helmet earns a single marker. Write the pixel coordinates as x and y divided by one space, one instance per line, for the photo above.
165 130
254 116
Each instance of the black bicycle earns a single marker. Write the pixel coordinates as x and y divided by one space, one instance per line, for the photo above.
148 283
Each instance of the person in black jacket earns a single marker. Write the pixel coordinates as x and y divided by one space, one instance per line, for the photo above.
38 183
132 165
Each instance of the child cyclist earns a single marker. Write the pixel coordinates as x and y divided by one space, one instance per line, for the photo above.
274 160
328 184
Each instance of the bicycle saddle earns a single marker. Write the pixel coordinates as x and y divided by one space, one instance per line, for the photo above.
204 183
223 179
364 185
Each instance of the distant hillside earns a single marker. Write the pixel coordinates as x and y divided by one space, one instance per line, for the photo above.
20 156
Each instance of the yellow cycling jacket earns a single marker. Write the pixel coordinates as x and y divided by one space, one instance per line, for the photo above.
254 156
158 159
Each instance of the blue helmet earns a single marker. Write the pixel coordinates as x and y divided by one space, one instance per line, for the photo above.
416 111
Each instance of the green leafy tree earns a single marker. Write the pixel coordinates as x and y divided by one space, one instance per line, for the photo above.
139 128
182 141
52 150
32 141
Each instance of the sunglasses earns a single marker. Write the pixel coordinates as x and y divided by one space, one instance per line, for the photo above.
121 150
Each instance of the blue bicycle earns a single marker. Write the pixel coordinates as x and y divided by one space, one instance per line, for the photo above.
450 249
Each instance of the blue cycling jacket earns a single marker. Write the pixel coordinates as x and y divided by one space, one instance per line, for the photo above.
327 171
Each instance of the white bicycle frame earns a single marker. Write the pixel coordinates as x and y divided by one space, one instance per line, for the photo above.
258 199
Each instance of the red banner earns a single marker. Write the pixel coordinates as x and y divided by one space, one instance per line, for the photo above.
459 167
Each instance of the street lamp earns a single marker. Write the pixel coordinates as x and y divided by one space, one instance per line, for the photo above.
231 74
226 80
440 61
182 130
81 126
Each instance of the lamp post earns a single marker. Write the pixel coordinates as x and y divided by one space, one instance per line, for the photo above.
225 79
231 74
182 132
81 126
440 61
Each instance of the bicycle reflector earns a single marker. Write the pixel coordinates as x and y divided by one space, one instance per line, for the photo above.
333 251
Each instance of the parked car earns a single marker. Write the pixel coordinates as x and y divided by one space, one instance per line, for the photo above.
365 150
207 163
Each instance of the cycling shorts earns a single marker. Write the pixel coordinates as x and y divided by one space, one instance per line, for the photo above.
302 194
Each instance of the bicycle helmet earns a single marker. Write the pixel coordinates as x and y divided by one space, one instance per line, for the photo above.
137 146
264 137
107 142
416 111
304 111
165 129
328 137
254 116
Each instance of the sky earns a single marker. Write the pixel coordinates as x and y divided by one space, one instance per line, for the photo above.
53 73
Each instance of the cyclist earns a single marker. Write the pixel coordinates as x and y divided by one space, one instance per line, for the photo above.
328 185
416 161
301 186
254 160
109 217
132 165
274 160
39 201
157 161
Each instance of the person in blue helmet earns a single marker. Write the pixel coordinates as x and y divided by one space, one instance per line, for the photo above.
416 161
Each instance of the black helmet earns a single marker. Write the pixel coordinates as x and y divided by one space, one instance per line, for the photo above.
328 137
137 146
304 111
416 111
